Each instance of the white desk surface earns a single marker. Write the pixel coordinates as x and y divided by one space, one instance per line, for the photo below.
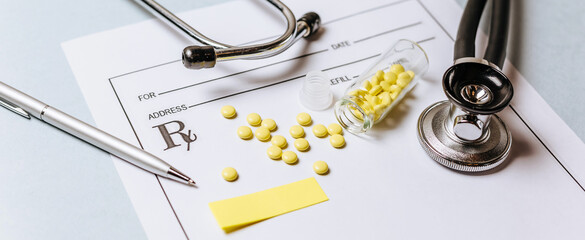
57 187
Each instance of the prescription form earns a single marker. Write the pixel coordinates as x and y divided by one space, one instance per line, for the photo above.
382 185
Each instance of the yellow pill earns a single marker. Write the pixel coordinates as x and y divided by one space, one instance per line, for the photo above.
244 132
320 130
403 79
373 100
390 77
263 134
366 106
382 95
357 92
394 95
334 128
289 157
229 174
367 85
411 73
320 167
402 82
297 131
396 68
379 109
279 141
376 117
385 86
337 141
274 152
304 119
358 114
301 144
374 81
375 90
270 124
254 119
380 75
386 99
395 88
228 111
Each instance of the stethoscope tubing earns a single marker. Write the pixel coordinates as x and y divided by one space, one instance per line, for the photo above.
465 41
224 52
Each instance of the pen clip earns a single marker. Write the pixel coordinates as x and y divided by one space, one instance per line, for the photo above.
14 108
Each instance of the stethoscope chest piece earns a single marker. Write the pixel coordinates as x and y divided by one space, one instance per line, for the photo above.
465 133
443 146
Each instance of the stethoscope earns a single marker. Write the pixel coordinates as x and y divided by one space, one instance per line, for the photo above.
206 56
464 133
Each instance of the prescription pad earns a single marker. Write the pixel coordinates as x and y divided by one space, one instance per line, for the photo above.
381 185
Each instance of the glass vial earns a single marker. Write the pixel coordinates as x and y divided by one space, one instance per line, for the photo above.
381 87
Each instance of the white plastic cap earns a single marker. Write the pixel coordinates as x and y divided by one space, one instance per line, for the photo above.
316 94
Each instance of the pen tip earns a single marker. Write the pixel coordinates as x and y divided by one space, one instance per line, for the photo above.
191 182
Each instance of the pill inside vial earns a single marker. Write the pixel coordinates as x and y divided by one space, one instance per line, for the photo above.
228 111
229 174
254 119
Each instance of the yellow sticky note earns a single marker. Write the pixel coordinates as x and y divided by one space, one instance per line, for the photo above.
235 213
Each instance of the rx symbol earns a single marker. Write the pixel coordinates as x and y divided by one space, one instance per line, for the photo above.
167 136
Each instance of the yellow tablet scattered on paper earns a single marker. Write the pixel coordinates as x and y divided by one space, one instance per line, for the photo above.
235 213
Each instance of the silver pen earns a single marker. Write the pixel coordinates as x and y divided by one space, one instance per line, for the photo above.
23 105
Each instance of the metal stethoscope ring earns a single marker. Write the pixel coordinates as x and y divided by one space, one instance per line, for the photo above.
465 133
197 57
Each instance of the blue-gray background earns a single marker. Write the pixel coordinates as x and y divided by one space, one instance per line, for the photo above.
53 186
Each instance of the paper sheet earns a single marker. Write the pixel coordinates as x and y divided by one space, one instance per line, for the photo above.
381 186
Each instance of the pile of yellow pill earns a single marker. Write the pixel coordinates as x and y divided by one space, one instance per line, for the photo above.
229 174
376 94
264 127
334 129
